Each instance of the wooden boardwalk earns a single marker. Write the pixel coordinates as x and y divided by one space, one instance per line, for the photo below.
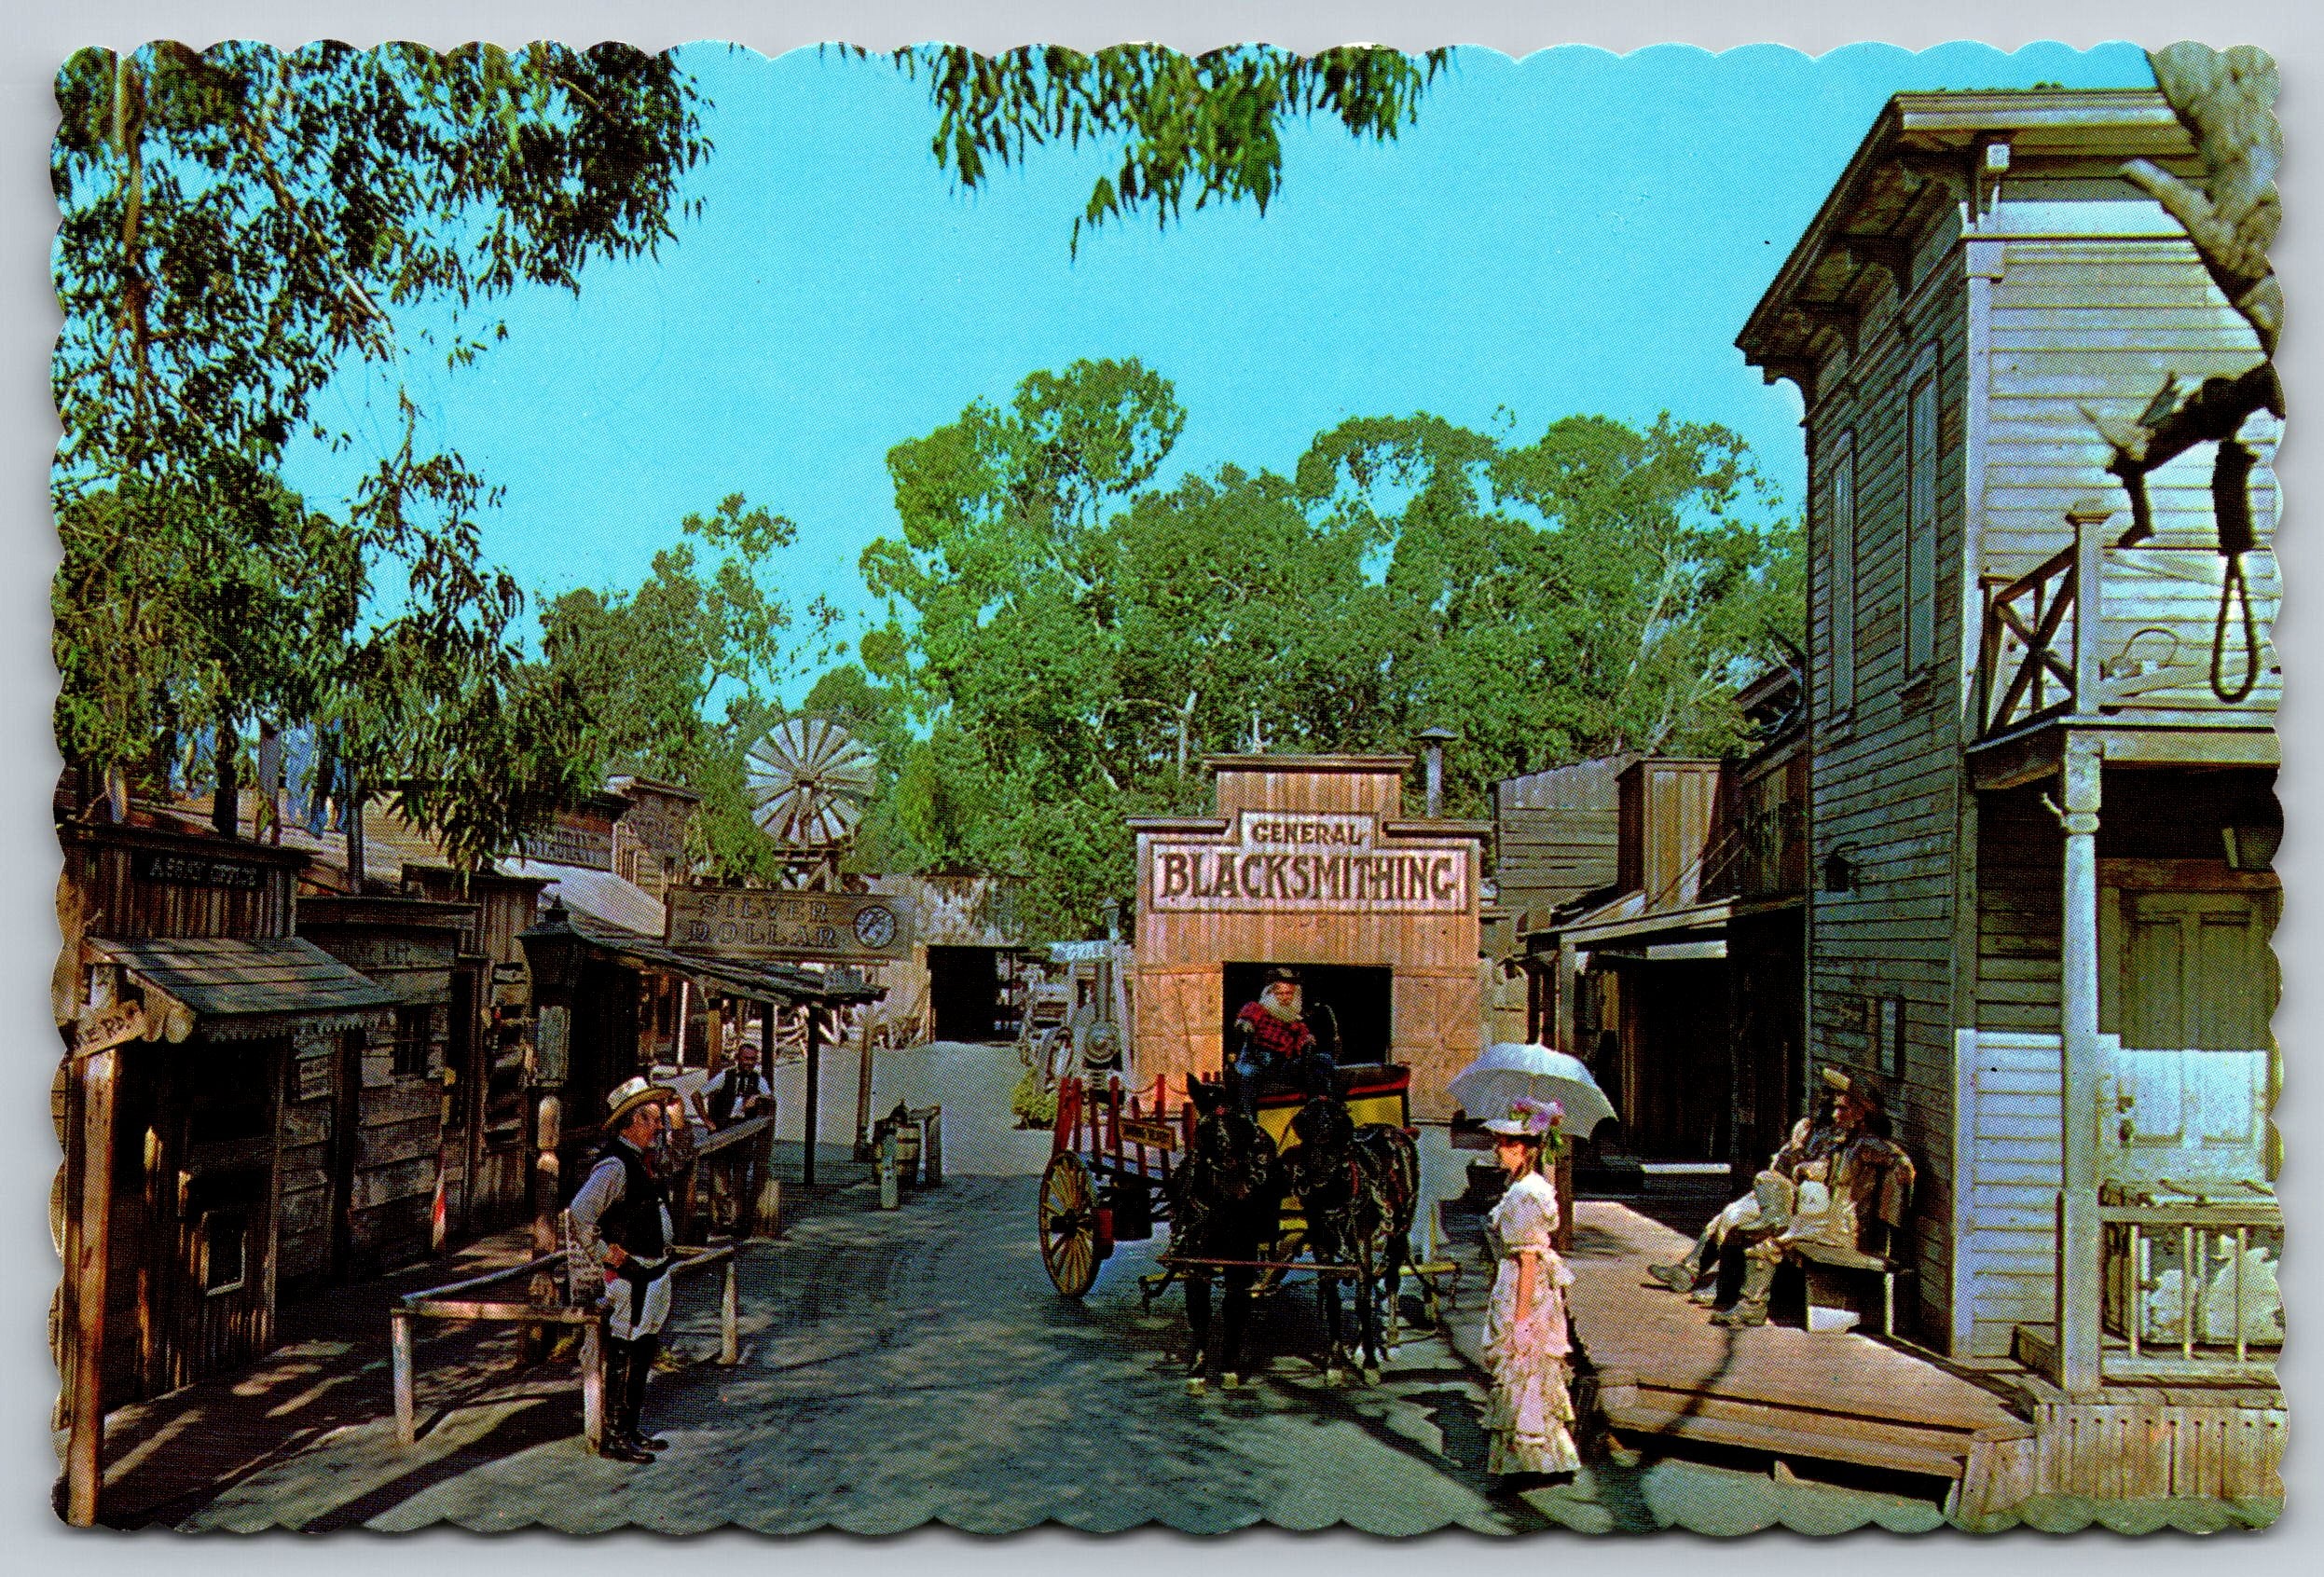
1664 1370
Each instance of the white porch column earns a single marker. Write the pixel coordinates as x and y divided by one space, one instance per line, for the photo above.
2078 1230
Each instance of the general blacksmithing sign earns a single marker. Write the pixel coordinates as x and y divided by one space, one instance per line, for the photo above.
1296 861
754 923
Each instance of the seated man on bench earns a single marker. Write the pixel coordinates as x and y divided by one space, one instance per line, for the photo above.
1766 1211
1843 1211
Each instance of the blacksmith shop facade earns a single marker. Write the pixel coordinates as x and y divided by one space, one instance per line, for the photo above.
1312 862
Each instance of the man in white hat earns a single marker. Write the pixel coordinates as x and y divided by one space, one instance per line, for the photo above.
621 1221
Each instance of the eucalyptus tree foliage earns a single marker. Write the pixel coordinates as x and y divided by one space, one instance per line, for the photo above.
679 675
1070 641
1209 125
238 227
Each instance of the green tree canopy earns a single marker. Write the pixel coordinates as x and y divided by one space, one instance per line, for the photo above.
1071 640
239 224
1210 124
678 677
236 224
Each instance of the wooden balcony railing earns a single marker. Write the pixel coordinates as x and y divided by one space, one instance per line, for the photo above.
2103 626
2031 661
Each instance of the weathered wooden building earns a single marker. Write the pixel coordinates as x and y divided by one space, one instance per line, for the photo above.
374 1181
1667 973
2041 739
489 1159
196 1024
1309 861
960 984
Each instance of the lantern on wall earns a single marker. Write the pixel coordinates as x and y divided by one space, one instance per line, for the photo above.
1839 870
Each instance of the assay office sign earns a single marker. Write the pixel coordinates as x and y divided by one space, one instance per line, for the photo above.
1293 861
755 922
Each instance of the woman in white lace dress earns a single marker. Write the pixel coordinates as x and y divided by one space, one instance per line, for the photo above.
1529 1418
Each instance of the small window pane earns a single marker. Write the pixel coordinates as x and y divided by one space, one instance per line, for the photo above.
224 1234
1921 540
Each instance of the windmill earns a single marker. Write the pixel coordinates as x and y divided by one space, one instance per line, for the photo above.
807 780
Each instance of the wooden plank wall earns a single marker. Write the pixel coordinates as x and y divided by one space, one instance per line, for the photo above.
1437 1001
1884 775
2021 863
115 904
2102 323
1670 819
2006 1252
2135 1443
305 1211
1556 835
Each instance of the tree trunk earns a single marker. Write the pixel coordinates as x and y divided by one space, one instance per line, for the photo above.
226 797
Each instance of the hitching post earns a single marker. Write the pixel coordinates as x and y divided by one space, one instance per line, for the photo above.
593 1381
815 1079
729 1306
399 1350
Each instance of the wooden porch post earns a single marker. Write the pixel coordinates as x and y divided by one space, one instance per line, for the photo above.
88 1229
814 1081
2078 1228
863 1086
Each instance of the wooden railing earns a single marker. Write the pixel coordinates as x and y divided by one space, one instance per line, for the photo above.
741 1157
2044 642
2189 1283
447 1303
2019 653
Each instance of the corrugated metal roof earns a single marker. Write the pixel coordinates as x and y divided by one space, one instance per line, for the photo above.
600 895
235 976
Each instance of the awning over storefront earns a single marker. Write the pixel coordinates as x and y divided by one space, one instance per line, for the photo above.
757 983
239 988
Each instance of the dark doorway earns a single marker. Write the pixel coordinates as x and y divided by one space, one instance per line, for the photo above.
1676 1089
466 1138
963 992
1361 997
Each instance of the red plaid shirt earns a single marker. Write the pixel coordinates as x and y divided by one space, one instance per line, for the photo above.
1278 1037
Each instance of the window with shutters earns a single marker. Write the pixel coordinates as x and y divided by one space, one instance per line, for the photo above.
1920 522
1840 599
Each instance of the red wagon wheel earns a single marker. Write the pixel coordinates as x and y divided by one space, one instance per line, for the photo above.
1072 1245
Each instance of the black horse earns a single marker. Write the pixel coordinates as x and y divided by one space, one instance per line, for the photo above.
1359 1188
1226 1203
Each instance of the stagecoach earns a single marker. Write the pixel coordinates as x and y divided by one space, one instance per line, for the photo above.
1112 1154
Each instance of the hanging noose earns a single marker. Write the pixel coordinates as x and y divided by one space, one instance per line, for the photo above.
2231 511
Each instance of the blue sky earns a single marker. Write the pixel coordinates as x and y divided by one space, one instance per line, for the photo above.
1572 232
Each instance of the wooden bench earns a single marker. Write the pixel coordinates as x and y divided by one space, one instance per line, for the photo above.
1832 1272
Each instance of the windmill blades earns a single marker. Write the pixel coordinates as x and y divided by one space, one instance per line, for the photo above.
805 779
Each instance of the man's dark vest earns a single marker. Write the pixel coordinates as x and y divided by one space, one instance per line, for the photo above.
634 1223
737 1087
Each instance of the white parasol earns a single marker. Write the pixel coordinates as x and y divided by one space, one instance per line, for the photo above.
1486 1086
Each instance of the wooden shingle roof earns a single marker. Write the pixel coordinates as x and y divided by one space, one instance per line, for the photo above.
234 976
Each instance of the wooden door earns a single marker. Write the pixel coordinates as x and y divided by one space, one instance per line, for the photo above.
2197 984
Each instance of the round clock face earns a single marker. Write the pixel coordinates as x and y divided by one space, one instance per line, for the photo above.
875 926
